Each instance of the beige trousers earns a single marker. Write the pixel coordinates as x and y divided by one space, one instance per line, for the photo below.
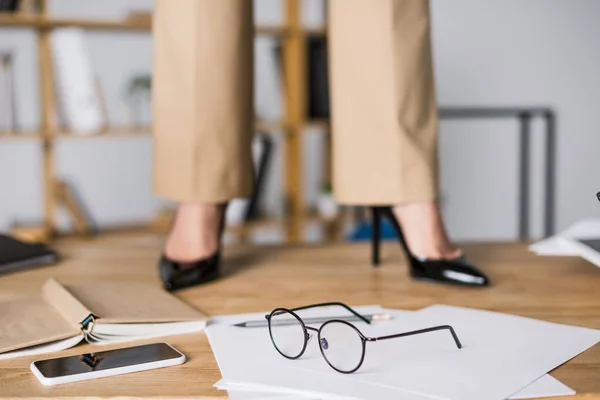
384 116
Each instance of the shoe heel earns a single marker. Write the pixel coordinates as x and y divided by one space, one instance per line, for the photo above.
375 237
455 271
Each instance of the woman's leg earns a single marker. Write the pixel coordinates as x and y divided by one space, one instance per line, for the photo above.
203 115
385 115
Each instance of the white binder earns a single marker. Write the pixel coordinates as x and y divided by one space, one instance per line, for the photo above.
78 98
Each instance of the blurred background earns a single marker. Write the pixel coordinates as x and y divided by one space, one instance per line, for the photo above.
496 54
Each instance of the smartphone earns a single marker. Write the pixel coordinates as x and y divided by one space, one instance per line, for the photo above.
82 367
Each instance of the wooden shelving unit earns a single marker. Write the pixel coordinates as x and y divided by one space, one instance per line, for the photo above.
265 127
292 36
45 22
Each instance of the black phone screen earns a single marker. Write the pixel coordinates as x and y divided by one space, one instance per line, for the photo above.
104 360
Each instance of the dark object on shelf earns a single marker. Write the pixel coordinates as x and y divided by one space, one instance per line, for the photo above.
8 106
264 159
9 5
318 78
16 255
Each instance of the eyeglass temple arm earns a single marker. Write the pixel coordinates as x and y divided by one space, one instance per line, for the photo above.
433 329
334 304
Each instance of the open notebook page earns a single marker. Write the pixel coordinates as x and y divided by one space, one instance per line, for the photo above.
117 303
113 333
44 348
31 321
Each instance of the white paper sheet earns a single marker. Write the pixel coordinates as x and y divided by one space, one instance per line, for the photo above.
237 395
555 246
246 355
521 350
546 386
501 353
552 246
247 391
311 384
586 252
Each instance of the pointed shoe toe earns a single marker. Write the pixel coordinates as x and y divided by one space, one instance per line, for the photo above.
178 275
457 272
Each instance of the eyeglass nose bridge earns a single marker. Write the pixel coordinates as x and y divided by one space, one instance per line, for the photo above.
309 337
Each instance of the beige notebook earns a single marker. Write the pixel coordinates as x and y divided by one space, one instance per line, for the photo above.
64 315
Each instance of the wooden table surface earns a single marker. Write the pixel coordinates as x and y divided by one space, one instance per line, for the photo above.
558 289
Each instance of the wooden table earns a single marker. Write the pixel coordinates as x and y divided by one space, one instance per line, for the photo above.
558 289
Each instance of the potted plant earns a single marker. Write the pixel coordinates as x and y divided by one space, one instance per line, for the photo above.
327 207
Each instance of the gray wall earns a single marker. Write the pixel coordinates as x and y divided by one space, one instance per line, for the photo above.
493 53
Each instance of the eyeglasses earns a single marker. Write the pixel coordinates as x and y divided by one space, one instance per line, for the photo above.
342 345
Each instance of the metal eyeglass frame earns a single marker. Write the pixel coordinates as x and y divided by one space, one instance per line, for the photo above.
364 339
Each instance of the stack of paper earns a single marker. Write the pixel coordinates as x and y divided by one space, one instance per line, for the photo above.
581 239
503 356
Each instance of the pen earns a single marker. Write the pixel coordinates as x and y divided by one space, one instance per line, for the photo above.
313 320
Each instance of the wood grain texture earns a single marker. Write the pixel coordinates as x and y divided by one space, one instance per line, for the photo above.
48 115
294 73
558 289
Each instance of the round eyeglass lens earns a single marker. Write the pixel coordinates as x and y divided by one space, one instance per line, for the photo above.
287 333
341 345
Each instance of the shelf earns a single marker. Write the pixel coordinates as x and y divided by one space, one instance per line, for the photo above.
19 135
34 21
265 127
132 24
113 132
270 127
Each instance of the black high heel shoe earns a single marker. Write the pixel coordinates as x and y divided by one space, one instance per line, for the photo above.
457 271
177 275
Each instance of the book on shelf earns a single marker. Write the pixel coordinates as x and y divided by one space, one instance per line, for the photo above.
8 116
268 95
318 78
62 316
79 102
